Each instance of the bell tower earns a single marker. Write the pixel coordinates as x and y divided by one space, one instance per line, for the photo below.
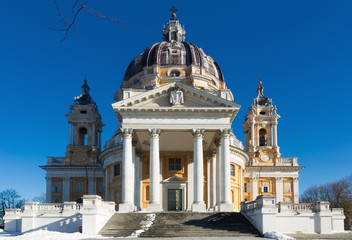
260 130
85 127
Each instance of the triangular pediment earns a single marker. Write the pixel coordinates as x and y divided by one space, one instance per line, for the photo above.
174 179
176 95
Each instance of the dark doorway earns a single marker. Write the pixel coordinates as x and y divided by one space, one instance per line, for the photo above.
174 199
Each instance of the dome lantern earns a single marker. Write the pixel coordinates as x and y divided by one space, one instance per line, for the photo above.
173 30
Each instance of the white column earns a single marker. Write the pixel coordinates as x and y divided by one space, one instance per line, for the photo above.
106 180
275 134
134 143
126 204
198 172
253 133
225 196
94 143
65 189
218 171
254 183
137 179
70 133
212 181
48 189
241 185
295 190
154 204
279 190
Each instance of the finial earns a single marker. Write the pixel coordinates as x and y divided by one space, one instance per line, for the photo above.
85 77
173 15
259 79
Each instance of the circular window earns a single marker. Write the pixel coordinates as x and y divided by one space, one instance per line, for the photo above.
174 73
83 111
262 113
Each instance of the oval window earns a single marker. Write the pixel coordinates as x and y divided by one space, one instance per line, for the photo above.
174 73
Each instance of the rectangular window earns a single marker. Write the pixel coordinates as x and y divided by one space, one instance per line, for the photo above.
265 187
232 170
174 164
117 170
56 188
79 186
245 187
288 187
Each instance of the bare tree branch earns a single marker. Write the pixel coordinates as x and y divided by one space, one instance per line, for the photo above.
77 7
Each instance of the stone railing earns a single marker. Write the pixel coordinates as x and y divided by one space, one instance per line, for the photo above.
246 206
52 208
299 207
56 160
289 161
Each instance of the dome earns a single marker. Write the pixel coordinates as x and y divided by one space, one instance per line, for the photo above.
173 60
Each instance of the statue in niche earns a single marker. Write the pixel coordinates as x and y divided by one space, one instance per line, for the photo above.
176 97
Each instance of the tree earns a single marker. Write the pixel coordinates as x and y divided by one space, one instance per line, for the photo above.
10 198
338 193
76 8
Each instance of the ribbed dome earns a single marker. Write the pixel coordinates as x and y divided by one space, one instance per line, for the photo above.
173 54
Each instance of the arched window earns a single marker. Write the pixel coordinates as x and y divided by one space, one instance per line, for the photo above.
262 139
174 73
82 140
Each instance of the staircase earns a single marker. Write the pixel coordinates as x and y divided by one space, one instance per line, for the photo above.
180 224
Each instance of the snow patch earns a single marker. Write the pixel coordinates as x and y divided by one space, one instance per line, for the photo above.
279 236
144 226
47 235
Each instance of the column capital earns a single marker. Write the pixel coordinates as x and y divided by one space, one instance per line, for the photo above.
48 178
127 132
66 178
278 178
211 153
226 132
154 132
198 133
295 178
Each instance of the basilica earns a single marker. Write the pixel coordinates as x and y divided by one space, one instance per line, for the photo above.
174 149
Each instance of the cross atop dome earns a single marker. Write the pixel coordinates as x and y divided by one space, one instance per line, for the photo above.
173 15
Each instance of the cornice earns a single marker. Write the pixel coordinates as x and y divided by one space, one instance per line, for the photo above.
274 168
71 167
240 153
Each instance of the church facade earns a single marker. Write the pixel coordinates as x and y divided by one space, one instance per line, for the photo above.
174 149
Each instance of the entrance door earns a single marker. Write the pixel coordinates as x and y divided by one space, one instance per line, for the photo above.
174 199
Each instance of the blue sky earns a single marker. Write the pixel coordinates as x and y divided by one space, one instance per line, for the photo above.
302 49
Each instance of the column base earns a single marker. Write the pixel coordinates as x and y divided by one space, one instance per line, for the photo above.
154 207
199 207
226 207
126 207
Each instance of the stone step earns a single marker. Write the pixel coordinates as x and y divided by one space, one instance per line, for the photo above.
181 224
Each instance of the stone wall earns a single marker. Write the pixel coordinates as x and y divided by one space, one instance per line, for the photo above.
268 216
